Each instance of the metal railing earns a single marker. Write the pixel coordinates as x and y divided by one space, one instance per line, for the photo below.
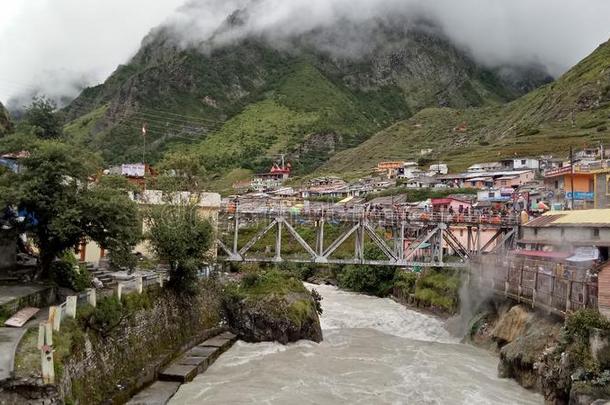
386 216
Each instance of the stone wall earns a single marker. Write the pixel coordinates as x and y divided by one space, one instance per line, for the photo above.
38 297
603 288
111 369
8 254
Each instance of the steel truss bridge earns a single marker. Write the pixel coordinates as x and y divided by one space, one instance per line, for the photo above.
406 238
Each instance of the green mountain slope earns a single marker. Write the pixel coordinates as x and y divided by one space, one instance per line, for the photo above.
572 111
239 105
5 121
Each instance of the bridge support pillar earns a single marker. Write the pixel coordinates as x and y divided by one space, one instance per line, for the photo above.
235 233
320 238
278 241
359 244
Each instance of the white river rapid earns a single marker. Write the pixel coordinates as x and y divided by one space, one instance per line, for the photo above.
375 351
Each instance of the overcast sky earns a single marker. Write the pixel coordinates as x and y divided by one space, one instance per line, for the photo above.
61 45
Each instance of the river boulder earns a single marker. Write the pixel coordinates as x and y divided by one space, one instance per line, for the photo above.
272 306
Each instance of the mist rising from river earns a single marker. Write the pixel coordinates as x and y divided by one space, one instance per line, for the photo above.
375 351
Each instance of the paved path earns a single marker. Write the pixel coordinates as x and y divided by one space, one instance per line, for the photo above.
9 339
10 293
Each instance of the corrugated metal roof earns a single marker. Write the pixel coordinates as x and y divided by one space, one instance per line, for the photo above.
585 217
544 220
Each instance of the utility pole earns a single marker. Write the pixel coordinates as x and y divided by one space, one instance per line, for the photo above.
572 175
144 144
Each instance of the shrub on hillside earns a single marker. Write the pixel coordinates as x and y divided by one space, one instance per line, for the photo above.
68 274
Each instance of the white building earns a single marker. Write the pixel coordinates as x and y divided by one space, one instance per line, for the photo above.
485 167
521 164
439 168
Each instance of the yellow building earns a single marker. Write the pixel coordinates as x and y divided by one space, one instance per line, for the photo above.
208 206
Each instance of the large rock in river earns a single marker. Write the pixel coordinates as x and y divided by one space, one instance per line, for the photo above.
272 307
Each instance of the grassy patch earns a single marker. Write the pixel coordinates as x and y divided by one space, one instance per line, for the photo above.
27 358
439 288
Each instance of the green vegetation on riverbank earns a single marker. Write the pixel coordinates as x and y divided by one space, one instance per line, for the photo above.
435 288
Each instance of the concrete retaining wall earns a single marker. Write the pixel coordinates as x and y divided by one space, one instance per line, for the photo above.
111 369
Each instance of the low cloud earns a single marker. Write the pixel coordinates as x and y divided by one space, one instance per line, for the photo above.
57 47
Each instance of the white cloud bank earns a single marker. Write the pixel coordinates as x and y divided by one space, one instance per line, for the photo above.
60 45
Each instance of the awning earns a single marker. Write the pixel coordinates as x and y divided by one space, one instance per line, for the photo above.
346 200
584 254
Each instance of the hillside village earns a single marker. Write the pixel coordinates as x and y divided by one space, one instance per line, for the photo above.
535 184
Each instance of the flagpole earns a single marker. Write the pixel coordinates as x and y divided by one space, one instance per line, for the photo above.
144 152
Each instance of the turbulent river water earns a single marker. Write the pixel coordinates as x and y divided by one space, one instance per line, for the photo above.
375 351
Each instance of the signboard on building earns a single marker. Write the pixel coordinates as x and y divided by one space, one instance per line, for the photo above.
133 170
580 196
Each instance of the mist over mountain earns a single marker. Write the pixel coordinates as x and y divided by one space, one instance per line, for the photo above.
76 43
308 94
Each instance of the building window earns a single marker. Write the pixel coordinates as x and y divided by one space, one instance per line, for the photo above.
596 233
563 232
523 161
556 184
535 231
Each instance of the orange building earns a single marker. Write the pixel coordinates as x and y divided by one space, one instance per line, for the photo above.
561 180
385 166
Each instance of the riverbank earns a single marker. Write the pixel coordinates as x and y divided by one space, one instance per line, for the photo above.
568 362
374 351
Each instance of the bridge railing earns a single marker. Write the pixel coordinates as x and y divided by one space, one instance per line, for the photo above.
383 216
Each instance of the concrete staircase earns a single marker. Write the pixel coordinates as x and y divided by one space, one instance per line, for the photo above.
184 370
101 274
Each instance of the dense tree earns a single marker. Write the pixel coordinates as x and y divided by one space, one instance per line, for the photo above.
6 125
182 238
42 116
63 206
182 172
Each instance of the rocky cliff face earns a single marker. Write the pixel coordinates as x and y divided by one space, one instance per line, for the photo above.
276 319
255 97
569 363
6 125
272 307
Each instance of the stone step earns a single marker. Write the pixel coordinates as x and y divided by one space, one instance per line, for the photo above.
159 393
182 373
185 369
222 341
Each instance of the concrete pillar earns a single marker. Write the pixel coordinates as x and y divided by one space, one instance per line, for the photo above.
320 240
278 242
46 354
119 291
71 306
139 284
55 317
91 298
235 232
